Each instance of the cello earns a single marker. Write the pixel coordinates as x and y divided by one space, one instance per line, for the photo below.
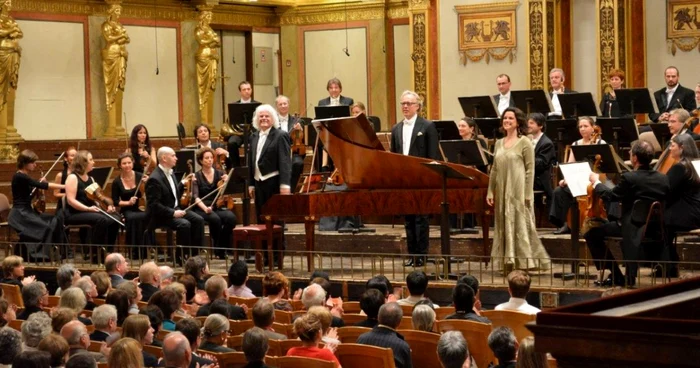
585 205
665 160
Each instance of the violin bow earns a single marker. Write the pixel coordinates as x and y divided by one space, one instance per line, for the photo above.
223 187
51 168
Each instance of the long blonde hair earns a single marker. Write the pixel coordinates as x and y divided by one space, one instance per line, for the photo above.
126 353
528 357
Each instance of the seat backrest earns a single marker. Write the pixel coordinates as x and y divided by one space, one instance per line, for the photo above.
239 327
235 342
476 334
285 345
351 333
12 294
283 316
16 324
297 305
235 300
101 364
406 323
201 319
407 310
351 319
54 300
351 307
158 352
442 312
95 346
515 320
162 333
231 360
286 329
364 356
302 362
423 347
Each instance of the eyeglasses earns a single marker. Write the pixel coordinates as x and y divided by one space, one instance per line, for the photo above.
408 103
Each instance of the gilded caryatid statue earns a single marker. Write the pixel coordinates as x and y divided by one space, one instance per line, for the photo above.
10 54
114 60
207 65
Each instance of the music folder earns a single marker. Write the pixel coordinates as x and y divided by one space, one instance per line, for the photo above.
447 130
236 182
578 104
183 156
101 175
610 162
621 131
463 152
479 106
530 101
636 101
242 113
327 112
490 128
661 132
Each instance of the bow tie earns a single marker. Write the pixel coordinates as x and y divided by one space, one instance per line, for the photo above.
265 133
669 90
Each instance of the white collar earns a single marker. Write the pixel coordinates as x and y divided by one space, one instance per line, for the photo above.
507 95
246 101
672 90
537 138
410 121
165 170
285 117
266 132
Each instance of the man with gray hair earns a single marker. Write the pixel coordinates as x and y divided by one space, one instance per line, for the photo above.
104 318
415 136
66 276
149 277
176 351
255 346
504 345
10 345
314 295
34 329
288 124
81 361
556 81
166 276
35 296
384 335
163 192
117 267
216 289
78 339
453 351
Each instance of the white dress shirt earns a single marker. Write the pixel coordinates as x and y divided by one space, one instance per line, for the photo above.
555 103
284 123
246 101
536 139
518 305
335 101
169 175
262 137
503 103
408 126
669 94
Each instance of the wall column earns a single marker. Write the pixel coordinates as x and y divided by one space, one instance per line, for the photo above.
549 46
423 23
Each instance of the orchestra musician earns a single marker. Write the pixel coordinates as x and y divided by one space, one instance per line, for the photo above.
545 156
68 157
641 184
468 129
562 200
682 210
516 244
140 148
415 136
334 88
126 197
609 106
503 98
676 124
358 108
221 221
289 123
80 210
235 142
163 205
202 136
269 162
556 80
673 96
29 224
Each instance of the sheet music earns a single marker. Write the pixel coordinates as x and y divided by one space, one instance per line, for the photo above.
577 176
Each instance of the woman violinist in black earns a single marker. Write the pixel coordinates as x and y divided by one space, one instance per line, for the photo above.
32 226
126 197
68 157
141 149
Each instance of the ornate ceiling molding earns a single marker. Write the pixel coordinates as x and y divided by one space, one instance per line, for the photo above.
333 13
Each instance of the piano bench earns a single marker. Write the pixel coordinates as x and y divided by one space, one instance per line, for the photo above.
257 234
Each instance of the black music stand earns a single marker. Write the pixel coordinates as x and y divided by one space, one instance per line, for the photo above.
181 133
563 132
619 131
237 181
490 128
530 101
479 106
242 114
327 112
574 105
463 152
447 130
636 101
661 132
445 172
183 156
101 175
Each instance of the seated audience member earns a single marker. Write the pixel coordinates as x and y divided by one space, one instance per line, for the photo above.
176 351
194 294
329 334
382 283
126 352
263 317
463 300
308 328
384 335
32 359
74 298
66 276
275 289
149 280
89 289
34 330
423 318
473 283
216 289
168 302
10 345
197 267
13 272
120 300
518 287
185 309
453 351
102 283
105 319
35 296
167 275
117 267
8 312
237 277
78 339
314 295
81 361
417 283
57 347
528 357
219 306
191 328
215 333
504 345
155 317
255 346
370 302
138 327
133 293
60 317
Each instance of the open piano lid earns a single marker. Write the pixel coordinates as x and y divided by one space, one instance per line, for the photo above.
364 164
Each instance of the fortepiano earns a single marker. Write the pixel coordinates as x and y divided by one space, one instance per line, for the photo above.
379 183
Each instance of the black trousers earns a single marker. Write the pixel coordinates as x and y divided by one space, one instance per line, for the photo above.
561 202
234 157
221 224
297 170
263 191
104 229
190 228
468 221
417 233
595 239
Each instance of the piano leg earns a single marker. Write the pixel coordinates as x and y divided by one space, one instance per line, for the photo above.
310 230
485 223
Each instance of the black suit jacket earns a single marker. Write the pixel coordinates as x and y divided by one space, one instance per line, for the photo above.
387 338
424 140
683 202
544 160
644 184
116 280
497 97
160 195
275 155
98 335
345 101
684 95
28 311
234 311
251 101
147 290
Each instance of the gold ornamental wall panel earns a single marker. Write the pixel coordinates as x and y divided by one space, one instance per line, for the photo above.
486 31
683 25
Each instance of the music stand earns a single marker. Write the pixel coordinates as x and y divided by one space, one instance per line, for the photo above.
530 101
447 130
489 127
463 152
563 132
636 101
619 131
327 112
574 105
479 106
181 133
242 114
183 156
101 175
661 132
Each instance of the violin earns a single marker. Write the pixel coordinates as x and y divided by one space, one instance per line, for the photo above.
145 162
186 197
312 183
226 200
95 194
39 198
694 118
297 136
